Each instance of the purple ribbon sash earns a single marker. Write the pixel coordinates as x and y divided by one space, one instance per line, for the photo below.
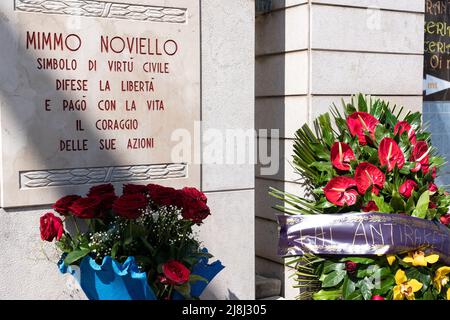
361 234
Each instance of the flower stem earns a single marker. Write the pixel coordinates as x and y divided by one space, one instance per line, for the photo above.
76 225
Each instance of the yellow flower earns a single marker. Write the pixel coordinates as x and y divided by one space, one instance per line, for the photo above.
418 258
448 294
390 258
405 288
441 278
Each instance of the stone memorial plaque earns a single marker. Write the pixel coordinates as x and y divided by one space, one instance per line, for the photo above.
92 91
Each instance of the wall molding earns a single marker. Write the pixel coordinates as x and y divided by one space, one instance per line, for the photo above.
81 176
115 10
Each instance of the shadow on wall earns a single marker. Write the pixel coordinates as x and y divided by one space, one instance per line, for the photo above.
11 84
437 116
270 113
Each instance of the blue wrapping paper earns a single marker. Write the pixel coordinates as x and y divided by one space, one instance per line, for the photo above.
114 281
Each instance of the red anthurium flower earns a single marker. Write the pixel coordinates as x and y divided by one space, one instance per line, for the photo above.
407 188
367 175
445 219
341 155
390 154
360 122
420 155
340 192
403 126
371 206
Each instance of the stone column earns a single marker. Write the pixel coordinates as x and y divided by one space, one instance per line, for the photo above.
310 54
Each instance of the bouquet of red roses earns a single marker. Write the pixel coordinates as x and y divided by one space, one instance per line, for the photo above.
373 158
147 232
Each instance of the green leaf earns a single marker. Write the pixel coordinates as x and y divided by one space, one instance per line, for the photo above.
356 295
362 104
333 279
382 206
416 273
348 287
429 295
382 132
422 205
349 109
324 204
410 205
75 256
414 120
358 260
366 287
114 249
332 266
195 277
327 295
385 286
322 166
184 290
397 203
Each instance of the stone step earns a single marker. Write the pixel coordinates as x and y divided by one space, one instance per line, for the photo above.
273 298
267 287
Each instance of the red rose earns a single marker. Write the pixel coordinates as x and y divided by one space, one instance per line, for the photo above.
101 189
175 273
420 155
432 188
196 211
351 266
371 206
194 194
341 155
340 191
86 208
367 175
432 205
134 188
130 206
164 196
106 202
62 205
361 122
407 188
377 297
51 227
390 154
445 219
193 204
404 126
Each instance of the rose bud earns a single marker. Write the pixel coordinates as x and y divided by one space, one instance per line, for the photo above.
371 206
432 188
351 266
445 219
407 188
432 205
51 227
377 297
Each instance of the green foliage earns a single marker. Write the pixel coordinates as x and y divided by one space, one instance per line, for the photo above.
328 278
